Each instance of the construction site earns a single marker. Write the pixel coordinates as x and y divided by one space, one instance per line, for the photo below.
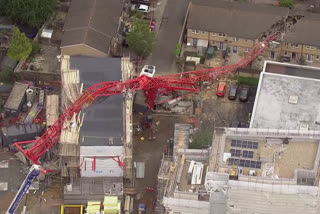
114 135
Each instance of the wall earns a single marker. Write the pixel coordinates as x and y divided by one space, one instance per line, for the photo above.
184 206
81 50
99 167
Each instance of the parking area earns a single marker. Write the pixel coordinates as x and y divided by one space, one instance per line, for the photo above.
221 111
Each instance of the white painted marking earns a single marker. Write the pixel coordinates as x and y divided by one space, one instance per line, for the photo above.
3 186
4 164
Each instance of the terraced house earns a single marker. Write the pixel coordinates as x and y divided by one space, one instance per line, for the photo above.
209 25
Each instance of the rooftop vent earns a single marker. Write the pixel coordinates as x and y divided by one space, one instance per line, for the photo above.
293 99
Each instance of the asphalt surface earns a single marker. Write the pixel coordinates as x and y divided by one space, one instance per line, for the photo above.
169 31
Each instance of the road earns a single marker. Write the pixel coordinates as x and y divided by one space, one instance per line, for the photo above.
169 18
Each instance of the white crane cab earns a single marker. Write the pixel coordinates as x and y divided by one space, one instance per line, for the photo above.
148 70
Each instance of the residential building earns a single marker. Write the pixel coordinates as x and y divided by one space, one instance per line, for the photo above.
208 25
287 97
90 26
239 31
303 40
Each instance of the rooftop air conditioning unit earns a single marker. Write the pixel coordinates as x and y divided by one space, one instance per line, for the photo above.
304 126
293 99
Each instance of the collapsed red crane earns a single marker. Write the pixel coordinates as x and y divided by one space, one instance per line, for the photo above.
188 81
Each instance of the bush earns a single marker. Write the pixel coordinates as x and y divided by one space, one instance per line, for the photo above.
287 3
177 50
7 76
248 80
35 48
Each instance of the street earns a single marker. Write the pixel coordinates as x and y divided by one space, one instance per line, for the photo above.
170 29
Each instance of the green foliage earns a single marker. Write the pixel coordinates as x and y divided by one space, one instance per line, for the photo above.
287 3
31 12
141 40
201 140
35 48
7 76
20 46
248 80
177 50
136 15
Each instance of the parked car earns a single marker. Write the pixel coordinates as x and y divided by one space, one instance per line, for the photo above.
148 70
140 8
233 91
221 89
140 1
244 94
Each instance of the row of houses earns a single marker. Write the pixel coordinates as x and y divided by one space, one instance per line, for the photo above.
236 27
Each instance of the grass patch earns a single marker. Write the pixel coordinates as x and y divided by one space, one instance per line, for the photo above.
202 139
248 80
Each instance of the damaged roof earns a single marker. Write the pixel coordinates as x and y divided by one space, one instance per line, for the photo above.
242 20
307 29
92 22
16 96
103 121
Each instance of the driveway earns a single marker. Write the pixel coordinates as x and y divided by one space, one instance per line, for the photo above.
169 18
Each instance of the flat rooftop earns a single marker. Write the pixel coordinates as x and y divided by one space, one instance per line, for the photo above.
269 153
283 159
285 100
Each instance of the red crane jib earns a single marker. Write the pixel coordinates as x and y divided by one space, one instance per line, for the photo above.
187 81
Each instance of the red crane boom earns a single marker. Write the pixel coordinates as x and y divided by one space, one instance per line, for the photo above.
188 81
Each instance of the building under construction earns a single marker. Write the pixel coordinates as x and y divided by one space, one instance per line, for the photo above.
245 171
92 143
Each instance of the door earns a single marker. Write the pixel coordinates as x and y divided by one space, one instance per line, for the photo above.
194 42
221 45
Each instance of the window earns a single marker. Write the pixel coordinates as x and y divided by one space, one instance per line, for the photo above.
222 34
294 45
213 34
309 58
195 31
310 47
272 54
246 40
246 50
203 32
235 39
235 49
286 53
317 57
221 45
194 42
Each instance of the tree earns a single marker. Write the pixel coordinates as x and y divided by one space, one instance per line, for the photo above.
287 3
31 12
141 40
20 46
